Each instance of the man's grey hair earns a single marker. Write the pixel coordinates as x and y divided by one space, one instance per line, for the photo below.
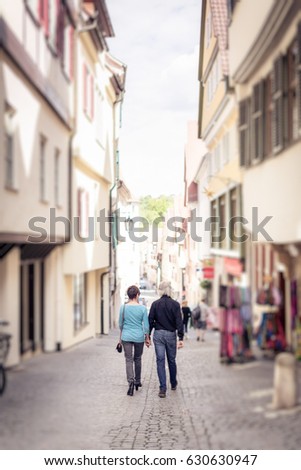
165 288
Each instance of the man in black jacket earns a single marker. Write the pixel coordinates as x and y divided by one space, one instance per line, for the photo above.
166 319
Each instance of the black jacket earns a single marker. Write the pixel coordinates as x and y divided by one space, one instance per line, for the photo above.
165 314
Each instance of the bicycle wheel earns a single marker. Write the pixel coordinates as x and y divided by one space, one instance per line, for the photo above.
2 379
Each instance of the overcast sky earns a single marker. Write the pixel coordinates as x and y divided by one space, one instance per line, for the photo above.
158 40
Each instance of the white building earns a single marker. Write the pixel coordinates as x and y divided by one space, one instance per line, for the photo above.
265 66
60 101
36 106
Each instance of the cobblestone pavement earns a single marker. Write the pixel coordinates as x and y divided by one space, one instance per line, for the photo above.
77 400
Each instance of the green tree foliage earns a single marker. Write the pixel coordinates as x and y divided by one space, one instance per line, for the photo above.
152 208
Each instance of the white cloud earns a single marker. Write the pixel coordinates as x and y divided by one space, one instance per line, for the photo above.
159 43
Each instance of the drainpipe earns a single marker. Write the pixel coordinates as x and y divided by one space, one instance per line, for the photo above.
112 263
102 301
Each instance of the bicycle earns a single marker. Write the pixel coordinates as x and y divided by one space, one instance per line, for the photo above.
4 348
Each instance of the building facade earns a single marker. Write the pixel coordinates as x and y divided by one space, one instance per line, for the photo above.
221 175
60 103
265 66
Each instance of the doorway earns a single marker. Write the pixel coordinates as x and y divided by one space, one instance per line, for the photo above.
31 307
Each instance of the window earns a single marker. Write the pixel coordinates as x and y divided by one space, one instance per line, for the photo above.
57 177
244 147
79 301
208 29
214 226
257 122
9 160
44 15
209 161
213 79
209 91
292 107
65 41
233 213
216 159
53 18
34 8
88 82
298 63
43 143
222 221
9 152
275 110
68 50
278 108
226 148
268 116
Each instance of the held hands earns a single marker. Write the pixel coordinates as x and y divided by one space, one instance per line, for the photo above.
147 341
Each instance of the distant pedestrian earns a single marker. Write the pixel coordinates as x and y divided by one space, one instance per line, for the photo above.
186 316
200 315
166 319
134 332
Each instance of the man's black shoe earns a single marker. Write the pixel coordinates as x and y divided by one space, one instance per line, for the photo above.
162 393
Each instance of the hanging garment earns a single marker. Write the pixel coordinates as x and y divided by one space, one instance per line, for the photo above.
223 296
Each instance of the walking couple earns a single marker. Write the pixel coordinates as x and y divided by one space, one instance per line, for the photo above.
136 327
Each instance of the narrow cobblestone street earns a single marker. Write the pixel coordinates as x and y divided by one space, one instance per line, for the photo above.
77 400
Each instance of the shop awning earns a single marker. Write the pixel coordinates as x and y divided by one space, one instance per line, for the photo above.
233 266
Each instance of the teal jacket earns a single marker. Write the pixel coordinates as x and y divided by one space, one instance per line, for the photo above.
135 324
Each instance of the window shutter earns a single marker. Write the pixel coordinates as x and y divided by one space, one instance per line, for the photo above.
257 121
46 17
268 110
71 58
299 76
9 155
244 142
278 106
60 30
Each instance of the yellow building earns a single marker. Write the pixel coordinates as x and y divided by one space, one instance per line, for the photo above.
218 129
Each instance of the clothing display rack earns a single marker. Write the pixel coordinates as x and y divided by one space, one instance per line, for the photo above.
235 324
271 334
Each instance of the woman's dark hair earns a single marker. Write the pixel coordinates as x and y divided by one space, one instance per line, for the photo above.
132 292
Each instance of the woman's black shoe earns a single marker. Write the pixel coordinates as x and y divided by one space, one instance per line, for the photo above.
131 389
138 385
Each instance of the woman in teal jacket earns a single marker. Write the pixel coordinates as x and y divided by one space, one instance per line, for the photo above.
134 329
